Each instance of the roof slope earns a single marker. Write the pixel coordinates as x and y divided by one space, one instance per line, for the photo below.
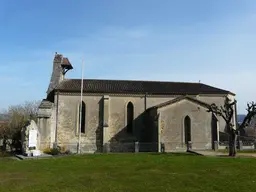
206 105
45 104
138 87
66 64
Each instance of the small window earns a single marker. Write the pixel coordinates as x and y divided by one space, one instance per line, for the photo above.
130 116
187 127
82 121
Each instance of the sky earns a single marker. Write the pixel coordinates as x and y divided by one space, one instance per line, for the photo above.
170 40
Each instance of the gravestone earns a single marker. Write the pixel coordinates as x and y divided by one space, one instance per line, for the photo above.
30 139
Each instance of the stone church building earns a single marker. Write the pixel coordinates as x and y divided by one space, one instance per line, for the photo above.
117 113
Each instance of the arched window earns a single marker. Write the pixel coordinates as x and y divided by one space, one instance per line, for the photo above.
187 127
82 121
130 114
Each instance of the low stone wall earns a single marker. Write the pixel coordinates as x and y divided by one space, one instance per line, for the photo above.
136 147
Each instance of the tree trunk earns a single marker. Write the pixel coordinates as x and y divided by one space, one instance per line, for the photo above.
232 143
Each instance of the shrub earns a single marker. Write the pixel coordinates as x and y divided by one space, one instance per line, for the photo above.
68 152
56 151
62 149
47 150
51 151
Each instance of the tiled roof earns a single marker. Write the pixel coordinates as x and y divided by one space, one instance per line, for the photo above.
66 63
138 87
45 104
180 99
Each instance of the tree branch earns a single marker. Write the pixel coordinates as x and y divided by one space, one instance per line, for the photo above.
251 112
217 111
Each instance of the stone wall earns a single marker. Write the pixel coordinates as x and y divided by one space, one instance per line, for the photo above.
68 121
115 131
44 125
44 122
172 125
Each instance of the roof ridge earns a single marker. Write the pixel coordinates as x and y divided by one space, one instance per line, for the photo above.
180 98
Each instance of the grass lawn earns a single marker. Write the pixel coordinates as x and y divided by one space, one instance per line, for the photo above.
238 151
129 172
4 154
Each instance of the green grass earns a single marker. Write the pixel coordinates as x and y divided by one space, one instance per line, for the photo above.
5 154
238 151
247 151
129 172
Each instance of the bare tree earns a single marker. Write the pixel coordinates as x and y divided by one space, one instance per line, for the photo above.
18 117
4 132
227 113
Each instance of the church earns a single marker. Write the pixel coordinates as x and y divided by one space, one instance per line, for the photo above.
115 114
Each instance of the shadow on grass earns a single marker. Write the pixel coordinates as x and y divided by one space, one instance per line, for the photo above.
193 152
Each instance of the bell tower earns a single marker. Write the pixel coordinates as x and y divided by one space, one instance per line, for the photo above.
61 66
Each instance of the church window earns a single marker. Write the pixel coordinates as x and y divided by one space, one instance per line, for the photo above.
82 114
130 116
187 127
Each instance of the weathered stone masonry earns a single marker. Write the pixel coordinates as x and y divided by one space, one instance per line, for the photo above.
159 110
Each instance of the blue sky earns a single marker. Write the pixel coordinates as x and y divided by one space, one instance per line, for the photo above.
171 40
